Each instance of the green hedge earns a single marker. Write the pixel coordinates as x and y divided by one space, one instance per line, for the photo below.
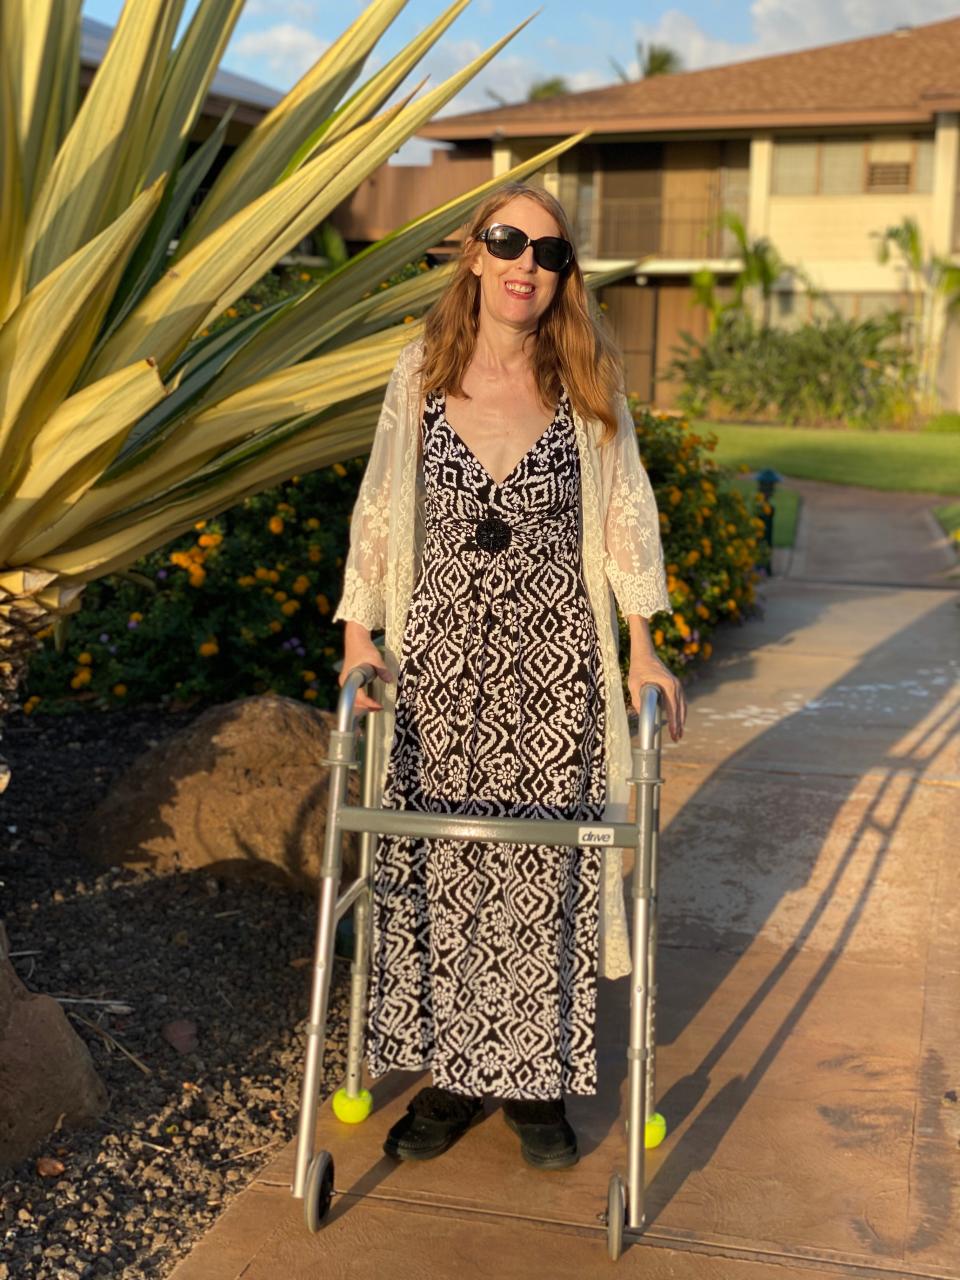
856 372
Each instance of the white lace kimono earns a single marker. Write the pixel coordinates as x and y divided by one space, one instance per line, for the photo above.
621 550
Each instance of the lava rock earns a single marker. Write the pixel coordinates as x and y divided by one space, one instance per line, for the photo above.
45 1068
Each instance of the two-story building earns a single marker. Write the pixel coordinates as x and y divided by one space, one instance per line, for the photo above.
815 150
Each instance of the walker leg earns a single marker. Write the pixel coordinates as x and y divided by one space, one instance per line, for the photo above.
352 1103
342 741
646 778
655 1126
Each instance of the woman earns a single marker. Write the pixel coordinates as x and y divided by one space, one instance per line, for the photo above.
503 498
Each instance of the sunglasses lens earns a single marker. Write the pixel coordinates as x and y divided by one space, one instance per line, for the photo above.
552 253
505 242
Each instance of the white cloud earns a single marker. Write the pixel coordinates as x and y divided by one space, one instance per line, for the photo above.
291 10
281 53
782 25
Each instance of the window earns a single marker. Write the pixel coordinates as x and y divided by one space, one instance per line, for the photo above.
795 168
923 173
852 166
841 166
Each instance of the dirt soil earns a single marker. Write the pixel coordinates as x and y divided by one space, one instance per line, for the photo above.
210 983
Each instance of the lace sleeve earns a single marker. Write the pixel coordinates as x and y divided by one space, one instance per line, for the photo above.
633 554
365 571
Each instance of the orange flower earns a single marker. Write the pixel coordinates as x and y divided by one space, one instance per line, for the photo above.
209 648
290 608
301 584
275 524
210 539
323 604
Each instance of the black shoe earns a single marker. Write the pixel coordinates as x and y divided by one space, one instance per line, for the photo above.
433 1121
546 1139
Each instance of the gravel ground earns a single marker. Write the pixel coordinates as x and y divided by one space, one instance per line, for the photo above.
175 1144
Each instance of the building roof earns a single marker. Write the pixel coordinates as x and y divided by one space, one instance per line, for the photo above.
903 77
95 36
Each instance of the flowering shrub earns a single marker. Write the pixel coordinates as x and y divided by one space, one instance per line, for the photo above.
240 606
711 539
243 604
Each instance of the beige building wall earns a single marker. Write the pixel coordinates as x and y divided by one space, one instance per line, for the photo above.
830 236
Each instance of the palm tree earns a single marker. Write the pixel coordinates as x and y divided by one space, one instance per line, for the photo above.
652 60
554 87
935 286
762 266
120 424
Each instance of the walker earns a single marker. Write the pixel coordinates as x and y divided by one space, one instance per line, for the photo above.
314 1171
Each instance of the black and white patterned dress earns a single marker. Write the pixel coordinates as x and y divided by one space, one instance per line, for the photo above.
484 962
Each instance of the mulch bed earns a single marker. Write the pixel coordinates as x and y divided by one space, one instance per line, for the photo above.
228 957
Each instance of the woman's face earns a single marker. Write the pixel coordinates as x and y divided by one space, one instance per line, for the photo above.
517 292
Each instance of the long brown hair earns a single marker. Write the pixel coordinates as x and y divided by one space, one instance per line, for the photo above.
572 347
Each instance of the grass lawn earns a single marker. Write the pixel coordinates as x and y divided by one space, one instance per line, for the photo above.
915 461
786 503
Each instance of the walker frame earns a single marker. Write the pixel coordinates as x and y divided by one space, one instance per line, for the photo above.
314 1171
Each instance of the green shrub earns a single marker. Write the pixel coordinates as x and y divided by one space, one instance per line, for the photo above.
943 422
710 535
829 371
241 606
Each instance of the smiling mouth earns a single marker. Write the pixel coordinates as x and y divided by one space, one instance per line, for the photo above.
518 290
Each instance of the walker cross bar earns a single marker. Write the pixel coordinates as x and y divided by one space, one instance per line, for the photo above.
314 1173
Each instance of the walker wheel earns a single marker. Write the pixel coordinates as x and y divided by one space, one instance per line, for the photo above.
654 1131
616 1216
319 1191
352 1110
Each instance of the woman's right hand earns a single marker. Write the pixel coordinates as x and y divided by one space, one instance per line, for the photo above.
359 648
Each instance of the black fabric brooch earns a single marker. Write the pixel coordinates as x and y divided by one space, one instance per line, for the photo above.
493 534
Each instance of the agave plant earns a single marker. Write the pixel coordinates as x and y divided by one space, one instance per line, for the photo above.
120 424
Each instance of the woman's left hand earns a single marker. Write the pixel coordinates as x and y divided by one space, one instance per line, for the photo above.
650 670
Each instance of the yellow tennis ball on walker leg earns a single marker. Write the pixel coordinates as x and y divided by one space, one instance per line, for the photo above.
654 1131
352 1110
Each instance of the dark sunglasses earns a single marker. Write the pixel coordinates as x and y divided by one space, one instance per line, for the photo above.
549 252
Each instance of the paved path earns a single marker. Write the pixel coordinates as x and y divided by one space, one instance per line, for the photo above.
809 1019
848 534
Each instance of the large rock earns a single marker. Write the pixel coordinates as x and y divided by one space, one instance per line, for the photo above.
240 790
46 1073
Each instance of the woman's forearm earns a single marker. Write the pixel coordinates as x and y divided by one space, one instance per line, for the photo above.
641 642
354 631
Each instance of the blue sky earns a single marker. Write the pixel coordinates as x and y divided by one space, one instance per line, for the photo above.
276 40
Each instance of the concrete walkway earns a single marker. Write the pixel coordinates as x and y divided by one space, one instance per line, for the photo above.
809 1010
869 536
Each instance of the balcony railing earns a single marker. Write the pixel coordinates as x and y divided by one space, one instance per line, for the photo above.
677 227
